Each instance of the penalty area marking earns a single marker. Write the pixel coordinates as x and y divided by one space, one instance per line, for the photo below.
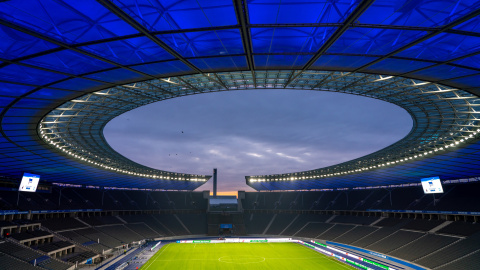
241 259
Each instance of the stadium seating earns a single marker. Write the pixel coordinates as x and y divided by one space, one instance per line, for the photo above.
335 231
173 224
355 234
460 228
280 222
360 220
422 224
81 257
120 232
391 222
195 223
95 235
7 262
257 223
313 229
471 261
19 251
452 252
394 241
150 221
54 265
423 246
61 224
99 221
374 237
143 230
337 216
54 246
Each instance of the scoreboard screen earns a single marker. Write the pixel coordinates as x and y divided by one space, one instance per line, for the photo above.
29 182
432 185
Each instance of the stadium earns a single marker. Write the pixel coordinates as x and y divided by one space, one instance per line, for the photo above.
68 200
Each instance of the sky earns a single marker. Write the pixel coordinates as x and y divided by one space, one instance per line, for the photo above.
255 132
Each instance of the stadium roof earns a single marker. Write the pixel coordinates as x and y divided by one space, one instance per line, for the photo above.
68 67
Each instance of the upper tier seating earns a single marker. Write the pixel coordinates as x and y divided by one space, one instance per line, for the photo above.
460 228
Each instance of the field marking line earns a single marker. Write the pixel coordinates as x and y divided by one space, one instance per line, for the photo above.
157 255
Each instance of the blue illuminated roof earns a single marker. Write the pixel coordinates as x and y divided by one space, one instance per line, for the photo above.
54 51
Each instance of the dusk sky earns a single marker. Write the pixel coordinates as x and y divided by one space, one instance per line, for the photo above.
252 132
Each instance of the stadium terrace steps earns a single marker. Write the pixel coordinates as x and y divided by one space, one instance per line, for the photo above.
420 238
54 265
391 222
313 229
374 237
100 220
120 232
49 247
166 229
10 262
83 222
423 246
94 235
335 231
377 221
460 228
394 241
355 234
143 230
19 251
29 235
62 224
280 224
424 225
438 250
74 237
302 221
358 220
171 222
270 223
195 223
290 224
441 226
149 221
469 261
81 257
456 250
330 219
256 223
29 255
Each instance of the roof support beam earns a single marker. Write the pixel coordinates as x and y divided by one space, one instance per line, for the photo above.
242 18
359 10
424 38
140 28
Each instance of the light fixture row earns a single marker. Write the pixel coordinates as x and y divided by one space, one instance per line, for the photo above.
80 157
265 178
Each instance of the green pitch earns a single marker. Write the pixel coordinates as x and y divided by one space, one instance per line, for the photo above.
226 256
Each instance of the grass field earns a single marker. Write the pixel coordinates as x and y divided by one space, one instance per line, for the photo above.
241 256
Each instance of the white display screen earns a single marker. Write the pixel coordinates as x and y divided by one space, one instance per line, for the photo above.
432 185
29 182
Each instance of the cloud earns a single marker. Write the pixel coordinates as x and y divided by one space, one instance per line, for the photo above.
255 155
290 157
255 132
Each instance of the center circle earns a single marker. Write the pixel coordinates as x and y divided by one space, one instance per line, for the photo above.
241 259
